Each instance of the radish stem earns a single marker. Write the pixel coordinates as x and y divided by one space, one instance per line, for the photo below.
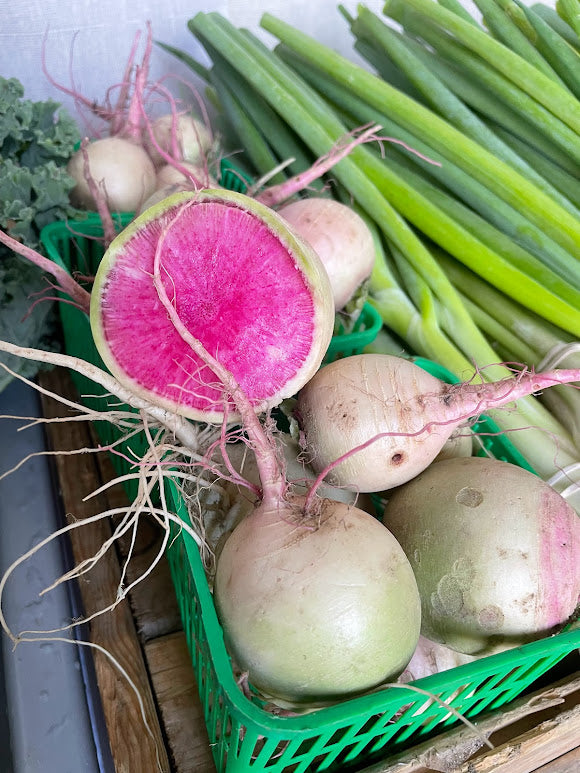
66 283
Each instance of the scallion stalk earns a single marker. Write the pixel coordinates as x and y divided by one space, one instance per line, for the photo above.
550 124
526 76
507 32
255 145
506 219
564 59
569 10
443 100
551 17
563 227
483 100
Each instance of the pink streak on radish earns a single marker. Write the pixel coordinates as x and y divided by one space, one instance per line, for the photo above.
240 293
558 565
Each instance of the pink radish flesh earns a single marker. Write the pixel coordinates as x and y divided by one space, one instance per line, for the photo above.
255 296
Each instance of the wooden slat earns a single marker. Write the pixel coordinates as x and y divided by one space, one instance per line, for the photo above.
529 751
567 763
459 749
152 600
133 747
181 710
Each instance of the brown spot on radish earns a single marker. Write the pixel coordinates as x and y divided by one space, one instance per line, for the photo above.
450 594
469 497
490 618
527 603
447 398
397 458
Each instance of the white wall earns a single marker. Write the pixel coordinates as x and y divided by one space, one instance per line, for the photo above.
88 41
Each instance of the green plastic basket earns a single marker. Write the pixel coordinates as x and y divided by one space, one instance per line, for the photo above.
365 330
245 737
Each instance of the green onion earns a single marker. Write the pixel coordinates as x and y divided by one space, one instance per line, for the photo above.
504 29
565 182
551 17
482 100
522 103
564 59
443 100
460 10
569 10
506 219
257 148
533 82
505 182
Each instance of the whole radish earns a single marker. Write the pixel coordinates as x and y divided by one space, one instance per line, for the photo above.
495 550
340 237
121 169
375 421
318 607
181 136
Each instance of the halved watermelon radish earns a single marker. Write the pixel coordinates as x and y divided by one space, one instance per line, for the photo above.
243 283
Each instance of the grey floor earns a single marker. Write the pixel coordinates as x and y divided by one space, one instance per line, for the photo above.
49 710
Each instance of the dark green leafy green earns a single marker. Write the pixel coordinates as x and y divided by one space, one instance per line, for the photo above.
36 141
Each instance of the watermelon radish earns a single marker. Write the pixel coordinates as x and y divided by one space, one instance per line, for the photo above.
211 306
243 283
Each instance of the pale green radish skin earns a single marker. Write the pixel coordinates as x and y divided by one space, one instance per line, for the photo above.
495 550
182 137
159 194
193 175
170 180
155 362
316 609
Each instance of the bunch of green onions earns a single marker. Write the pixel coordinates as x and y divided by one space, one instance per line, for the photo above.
475 199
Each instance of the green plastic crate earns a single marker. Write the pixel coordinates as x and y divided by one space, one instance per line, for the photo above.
245 737
366 329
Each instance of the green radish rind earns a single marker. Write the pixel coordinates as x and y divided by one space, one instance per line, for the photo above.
495 551
316 611
305 260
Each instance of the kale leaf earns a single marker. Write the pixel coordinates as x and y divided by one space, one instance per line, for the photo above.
36 141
